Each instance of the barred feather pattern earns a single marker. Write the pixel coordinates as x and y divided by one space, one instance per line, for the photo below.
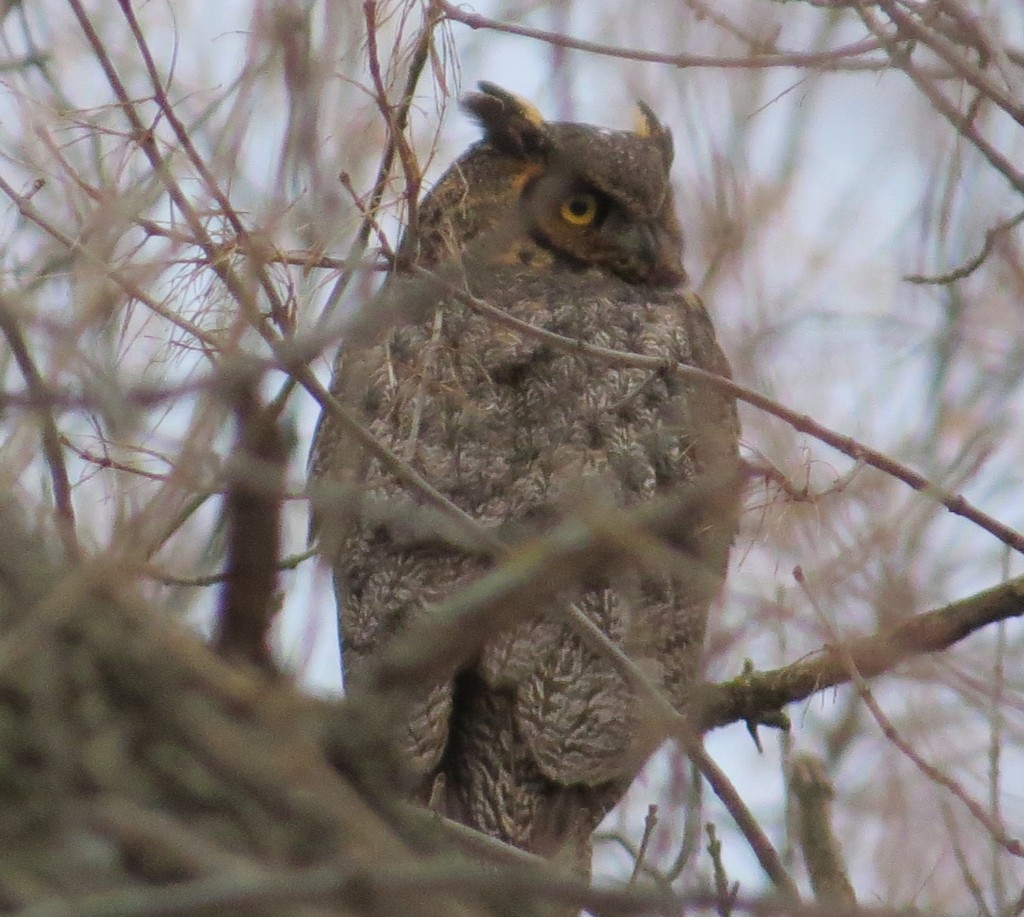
539 738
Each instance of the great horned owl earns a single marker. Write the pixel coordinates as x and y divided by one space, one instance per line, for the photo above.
571 228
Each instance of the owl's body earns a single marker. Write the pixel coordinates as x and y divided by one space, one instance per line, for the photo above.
538 737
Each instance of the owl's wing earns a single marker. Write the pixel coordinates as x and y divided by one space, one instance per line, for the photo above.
380 591
578 718
382 577
572 709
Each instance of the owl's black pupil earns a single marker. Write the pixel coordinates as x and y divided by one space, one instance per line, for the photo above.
579 207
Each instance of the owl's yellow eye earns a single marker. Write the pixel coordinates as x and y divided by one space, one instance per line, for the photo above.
580 209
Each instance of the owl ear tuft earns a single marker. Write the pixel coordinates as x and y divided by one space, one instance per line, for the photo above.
647 125
510 123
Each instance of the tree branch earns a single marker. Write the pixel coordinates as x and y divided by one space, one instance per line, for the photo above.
751 696
252 510
813 791
53 450
848 57
856 450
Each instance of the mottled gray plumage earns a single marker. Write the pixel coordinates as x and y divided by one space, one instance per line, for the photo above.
570 228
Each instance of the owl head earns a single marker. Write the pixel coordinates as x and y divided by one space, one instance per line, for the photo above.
556 195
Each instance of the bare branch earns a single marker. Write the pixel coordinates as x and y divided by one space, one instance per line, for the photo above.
51 438
955 503
970 266
398 120
843 58
278 310
961 122
252 509
752 695
813 791
992 825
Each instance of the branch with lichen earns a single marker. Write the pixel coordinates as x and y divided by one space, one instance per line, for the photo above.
750 696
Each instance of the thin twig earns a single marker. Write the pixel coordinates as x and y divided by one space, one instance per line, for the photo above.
145 138
53 451
399 122
239 290
723 896
944 49
759 843
396 129
971 265
955 503
991 824
963 125
291 562
837 59
690 830
278 309
960 855
650 821
127 285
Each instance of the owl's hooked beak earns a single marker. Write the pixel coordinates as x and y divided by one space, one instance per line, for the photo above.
658 250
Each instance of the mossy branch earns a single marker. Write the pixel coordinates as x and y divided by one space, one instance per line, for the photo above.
751 696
